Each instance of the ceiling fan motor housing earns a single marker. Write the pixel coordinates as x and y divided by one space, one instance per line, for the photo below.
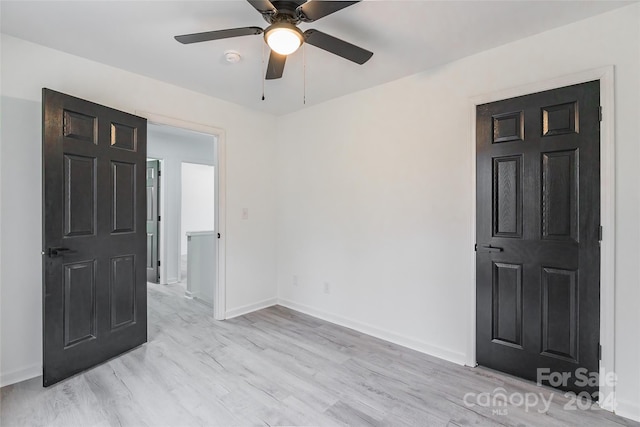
285 11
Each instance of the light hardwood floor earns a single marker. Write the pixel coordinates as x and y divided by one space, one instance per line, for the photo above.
274 367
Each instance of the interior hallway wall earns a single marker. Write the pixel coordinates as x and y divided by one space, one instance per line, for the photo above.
198 200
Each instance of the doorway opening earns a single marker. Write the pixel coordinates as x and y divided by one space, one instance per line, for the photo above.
188 210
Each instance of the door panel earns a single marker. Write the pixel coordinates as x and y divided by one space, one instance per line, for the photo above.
559 313
507 307
507 196
80 126
560 195
123 189
122 291
79 196
124 136
79 302
538 217
94 296
153 225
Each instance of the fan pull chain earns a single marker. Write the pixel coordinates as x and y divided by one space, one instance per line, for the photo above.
304 74
263 71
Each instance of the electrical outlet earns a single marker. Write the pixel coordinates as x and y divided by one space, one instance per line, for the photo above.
327 288
295 280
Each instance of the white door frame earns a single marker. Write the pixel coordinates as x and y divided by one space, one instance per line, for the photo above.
607 212
162 270
219 303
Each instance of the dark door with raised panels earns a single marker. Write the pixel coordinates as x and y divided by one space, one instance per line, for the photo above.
94 287
153 218
538 226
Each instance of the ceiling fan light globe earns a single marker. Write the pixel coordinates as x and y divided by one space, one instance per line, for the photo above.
283 40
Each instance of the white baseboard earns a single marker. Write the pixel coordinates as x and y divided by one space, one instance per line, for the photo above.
628 410
8 378
422 347
245 309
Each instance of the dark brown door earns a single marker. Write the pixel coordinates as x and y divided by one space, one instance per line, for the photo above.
94 299
153 232
538 250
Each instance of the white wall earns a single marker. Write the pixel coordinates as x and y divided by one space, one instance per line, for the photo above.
175 147
198 196
20 219
25 69
375 193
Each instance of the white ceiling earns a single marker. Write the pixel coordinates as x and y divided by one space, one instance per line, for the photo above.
405 36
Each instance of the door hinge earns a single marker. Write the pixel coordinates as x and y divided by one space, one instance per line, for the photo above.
600 112
158 217
218 235
159 173
599 351
600 233
158 263
475 247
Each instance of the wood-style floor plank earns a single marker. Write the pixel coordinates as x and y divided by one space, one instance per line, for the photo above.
274 367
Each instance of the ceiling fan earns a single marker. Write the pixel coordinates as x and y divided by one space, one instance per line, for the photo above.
283 35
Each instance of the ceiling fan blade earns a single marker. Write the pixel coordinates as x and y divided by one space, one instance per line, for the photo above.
263 6
217 35
275 68
316 9
337 46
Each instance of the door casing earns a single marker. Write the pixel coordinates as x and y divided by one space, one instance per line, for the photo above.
219 303
607 211
157 200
